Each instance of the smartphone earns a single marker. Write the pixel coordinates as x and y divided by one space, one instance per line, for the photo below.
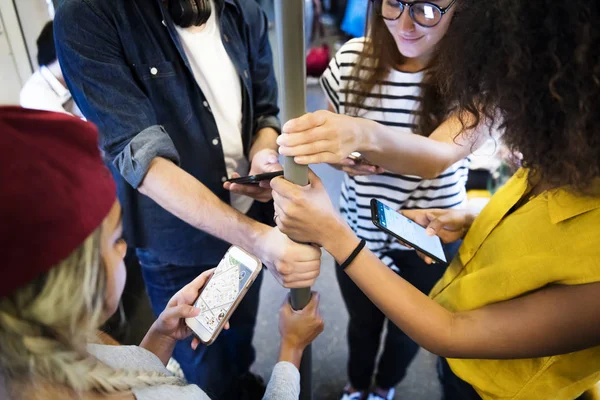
255 179
358 158
223 292
407 231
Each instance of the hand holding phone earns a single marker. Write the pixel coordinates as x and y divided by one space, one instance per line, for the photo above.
255 179
223 293
358 158
407 231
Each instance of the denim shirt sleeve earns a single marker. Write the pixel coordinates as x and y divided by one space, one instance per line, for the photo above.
264 84
105 89
134 161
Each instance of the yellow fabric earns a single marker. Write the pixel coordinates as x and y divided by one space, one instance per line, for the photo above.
553 238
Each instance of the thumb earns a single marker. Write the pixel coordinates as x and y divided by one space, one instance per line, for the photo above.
435 226
187 311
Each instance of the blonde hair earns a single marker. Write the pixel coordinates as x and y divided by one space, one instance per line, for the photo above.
45 326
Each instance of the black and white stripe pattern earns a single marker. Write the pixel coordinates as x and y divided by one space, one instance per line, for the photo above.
394 102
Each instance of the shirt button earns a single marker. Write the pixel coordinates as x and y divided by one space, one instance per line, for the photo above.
246 73
205 103
215 142
224 179
226 38
164 23
153 71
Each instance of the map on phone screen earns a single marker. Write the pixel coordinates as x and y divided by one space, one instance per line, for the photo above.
221 292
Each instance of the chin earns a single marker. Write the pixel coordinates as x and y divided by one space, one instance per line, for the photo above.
410 51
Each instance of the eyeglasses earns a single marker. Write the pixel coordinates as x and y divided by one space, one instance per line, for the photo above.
422 13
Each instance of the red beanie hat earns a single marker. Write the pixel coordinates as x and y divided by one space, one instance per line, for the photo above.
54 191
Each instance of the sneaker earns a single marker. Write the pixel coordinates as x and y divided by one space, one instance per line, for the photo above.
353 396
375 396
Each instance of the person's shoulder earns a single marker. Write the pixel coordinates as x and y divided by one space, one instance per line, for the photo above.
35 93
251 10
71 11
353 46
350 51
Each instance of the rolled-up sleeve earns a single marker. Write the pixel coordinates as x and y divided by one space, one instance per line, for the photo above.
104 87
134 161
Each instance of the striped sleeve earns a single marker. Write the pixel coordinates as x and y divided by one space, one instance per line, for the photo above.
330 83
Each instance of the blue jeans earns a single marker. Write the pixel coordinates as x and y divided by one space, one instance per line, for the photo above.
218 367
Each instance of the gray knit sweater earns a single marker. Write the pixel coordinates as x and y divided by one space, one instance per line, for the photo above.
283 385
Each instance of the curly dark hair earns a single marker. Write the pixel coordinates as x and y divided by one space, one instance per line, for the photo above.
536 65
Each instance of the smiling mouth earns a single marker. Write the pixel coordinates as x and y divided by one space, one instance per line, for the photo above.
410 39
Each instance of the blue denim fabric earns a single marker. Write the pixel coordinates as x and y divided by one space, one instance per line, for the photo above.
215 368
127 71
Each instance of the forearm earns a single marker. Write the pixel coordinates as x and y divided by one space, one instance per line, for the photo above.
422 319
528 326
290 354
407 153
185 197
159 345
266 138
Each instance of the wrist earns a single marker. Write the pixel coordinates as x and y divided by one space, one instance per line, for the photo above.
155 335
291 353
159 344
364 138
258 244
342 243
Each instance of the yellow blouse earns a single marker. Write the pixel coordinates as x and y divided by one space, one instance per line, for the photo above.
554 238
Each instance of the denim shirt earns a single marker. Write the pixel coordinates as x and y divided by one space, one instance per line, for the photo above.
128 72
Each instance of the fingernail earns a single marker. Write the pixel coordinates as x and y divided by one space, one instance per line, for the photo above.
430 232
273 160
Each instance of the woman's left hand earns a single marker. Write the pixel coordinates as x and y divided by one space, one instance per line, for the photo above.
171 322
305 213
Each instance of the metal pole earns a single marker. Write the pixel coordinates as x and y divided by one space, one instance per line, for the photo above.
289 22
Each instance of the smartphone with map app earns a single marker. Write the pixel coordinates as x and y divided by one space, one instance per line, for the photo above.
223 292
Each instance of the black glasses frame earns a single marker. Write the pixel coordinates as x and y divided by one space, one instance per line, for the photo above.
405 4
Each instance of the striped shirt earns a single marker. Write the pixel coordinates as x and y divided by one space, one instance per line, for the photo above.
394 103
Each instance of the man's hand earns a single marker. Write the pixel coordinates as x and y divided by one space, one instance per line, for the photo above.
266 160
293 265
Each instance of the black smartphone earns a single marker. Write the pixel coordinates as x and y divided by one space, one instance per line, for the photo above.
407 231
255 179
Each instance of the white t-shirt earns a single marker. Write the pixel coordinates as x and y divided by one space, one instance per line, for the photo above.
44 92
394 103
217 77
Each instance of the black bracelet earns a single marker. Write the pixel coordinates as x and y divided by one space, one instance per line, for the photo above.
354 254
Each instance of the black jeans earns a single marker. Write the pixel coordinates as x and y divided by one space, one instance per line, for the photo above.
366 324
454 388
217 368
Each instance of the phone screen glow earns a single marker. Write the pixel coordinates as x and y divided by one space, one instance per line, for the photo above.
409 231
221 292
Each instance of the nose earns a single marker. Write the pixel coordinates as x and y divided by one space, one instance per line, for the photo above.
406 24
